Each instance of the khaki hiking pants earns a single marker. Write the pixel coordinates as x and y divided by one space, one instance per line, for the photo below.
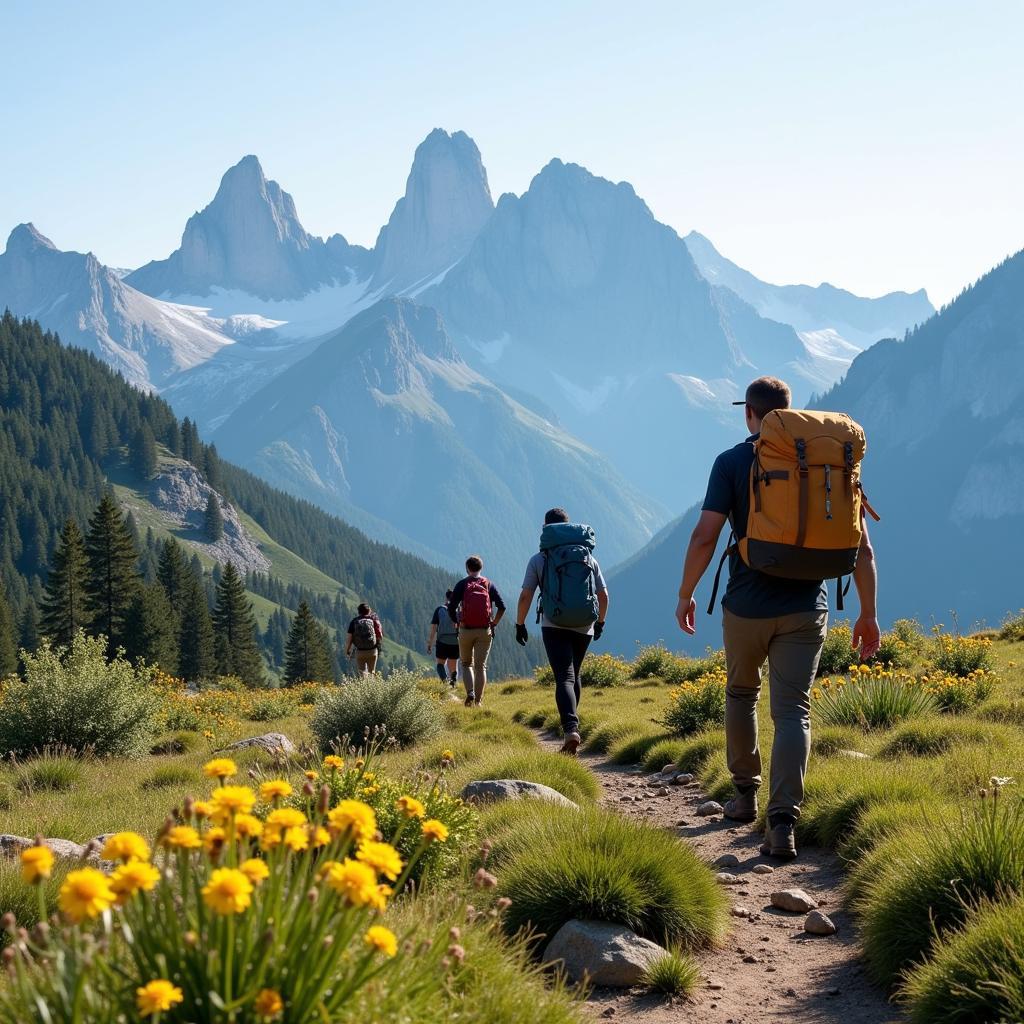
474 646
366 662
792 646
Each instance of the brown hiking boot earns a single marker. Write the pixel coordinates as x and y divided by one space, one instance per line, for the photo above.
779 841
742 807
570 744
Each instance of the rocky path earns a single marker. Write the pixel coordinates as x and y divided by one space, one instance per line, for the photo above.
769 968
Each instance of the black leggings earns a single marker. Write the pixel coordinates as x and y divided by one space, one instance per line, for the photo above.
566 650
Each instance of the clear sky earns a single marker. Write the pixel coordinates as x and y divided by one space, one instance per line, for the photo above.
873 145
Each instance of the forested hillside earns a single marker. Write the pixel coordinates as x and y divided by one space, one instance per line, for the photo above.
69 426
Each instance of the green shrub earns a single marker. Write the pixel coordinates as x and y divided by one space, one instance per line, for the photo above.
674 974
837 653
689 670
601 670
878 824
958 694
933 877
182 742
697 705
652 662
694 754
930 737
395 703
828 741
76 700
1009 711
605 736
871 699
544 675
632 749
975 972
509 688
595 865
564 774
168 776
664 752
962 655
901 646
53 772
1013 627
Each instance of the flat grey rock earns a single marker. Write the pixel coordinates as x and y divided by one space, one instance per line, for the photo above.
858 755
681 779
606 954
762 869
12 846
709 807
796 901
727 860
271 742
725 878
818 923
497 790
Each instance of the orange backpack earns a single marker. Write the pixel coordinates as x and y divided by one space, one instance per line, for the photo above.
806 499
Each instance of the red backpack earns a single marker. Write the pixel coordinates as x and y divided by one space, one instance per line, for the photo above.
476 603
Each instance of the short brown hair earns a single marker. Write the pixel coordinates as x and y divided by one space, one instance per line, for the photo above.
474 563
767 393
555 515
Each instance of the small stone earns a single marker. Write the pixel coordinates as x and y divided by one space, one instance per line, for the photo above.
668 769
681 779
762 869
857 755
818 923
663 791
795 901
726 878
715 986
609 1012
751 959
766 938
790 992
626 796
709 807
770 969
727 860
608 954
740 912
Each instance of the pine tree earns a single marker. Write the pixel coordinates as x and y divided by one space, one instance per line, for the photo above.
143 452
213 520
28 630
150 630
8 642
64 605
211 467
195 633
173 574
234 628
113 578
307 655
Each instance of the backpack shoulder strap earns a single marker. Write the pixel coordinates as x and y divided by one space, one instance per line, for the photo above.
729 548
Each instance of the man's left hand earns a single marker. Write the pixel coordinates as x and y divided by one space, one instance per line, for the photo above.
686 615
867 636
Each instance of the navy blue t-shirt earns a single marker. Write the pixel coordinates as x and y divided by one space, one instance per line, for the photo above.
753 594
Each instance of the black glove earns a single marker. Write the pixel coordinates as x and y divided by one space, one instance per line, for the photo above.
521 635
598 630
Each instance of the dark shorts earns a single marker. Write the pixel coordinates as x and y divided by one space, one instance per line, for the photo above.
446 651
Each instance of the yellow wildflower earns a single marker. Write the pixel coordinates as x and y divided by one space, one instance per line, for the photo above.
311 775
334 763
135 876
410 807
447 755
360 762
125 846
356 883
36 864
214 838
382 857
353 818
296 838
228 891
268 1004
286 817
228 800
202 809
382 939
157 997
182 837
85 893
319 837
371 790
275 789
255 870
220 768
248 826
434 831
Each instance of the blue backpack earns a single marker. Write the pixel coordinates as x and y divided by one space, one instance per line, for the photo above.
568 585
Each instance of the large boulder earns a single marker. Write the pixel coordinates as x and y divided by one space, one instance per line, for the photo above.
497 790
271 742
12 846
605 954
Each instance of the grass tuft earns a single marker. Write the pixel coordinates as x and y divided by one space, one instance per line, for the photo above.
674 974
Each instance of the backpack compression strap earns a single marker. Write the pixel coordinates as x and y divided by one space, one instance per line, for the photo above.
729 549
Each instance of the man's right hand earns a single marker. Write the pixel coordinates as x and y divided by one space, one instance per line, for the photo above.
521 634
867 636
686 615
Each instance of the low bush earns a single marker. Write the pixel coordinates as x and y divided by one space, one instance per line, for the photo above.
674 974
1008 711
689 670
1013 627
652 662
837 653
930 737
395 703
509 688
933 877
77 700
962 655
603 670
596 865
605 736
169 776
564 774
877 825
633 749
975 972
697 705
830 740
957 694
871 698
182 742
688 755
53 772
902 645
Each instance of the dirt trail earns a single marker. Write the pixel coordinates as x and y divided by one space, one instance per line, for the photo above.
769 969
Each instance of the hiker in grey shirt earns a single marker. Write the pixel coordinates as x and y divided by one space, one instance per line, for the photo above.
566 641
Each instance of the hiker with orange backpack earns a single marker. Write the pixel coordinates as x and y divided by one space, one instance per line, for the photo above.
477 607
365 636
792 495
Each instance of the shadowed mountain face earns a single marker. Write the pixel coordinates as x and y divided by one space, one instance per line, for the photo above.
249 238
386 416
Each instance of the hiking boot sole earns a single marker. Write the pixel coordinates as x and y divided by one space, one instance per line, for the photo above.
783 853
740 817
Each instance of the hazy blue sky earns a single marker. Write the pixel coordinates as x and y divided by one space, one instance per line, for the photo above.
874 145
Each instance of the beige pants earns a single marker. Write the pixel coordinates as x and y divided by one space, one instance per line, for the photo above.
366 661
474 646
792 646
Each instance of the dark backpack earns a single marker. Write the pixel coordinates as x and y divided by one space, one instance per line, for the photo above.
364 633
476 603
447 631
568 584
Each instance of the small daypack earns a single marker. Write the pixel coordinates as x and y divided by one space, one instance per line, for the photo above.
447 632
568 585
476 603
364 633
805 499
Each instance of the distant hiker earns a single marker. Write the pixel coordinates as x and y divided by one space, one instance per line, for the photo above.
791 492
365 636
573 605
477 607
444 642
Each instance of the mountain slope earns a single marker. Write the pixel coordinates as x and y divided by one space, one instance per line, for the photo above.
249 238
385 415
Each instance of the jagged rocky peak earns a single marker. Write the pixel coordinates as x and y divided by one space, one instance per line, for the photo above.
447 201
26 238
